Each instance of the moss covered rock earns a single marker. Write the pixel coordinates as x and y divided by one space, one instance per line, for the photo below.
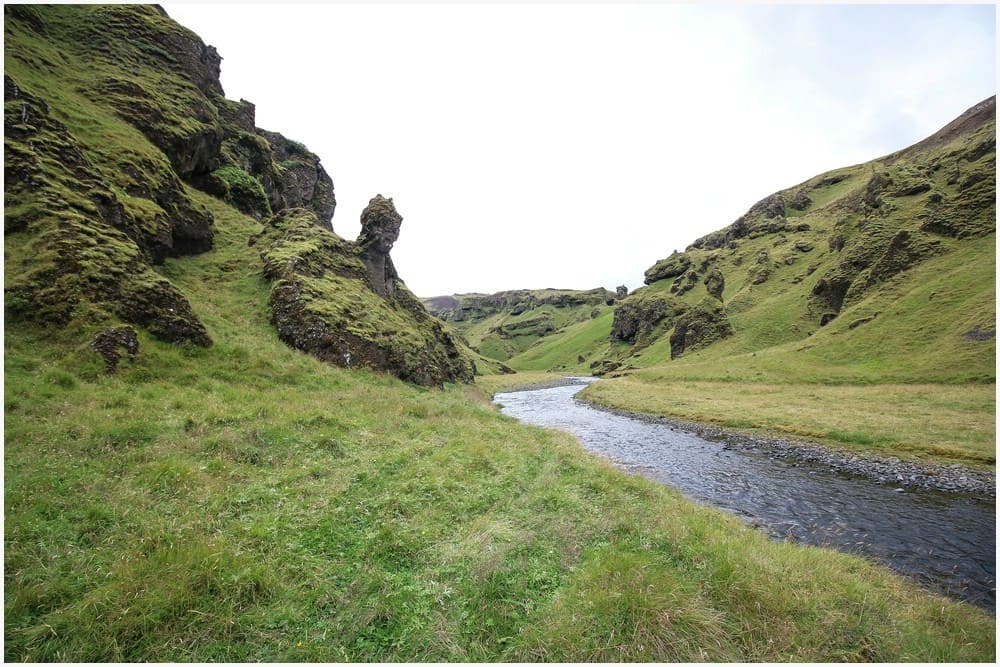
715 283
699 326
112 113
670 267
642 316
323 303
80 253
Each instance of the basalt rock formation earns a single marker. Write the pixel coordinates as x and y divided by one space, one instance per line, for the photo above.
380 225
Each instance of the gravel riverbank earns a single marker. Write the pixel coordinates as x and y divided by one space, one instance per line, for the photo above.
887 470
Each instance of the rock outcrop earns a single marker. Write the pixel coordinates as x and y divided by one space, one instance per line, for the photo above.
715 283
343 303
699 326
112 113
380 225
86 245
638 319
670 267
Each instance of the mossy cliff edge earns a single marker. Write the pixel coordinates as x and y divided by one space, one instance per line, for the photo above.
112 116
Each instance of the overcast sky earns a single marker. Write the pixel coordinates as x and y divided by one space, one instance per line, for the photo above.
571 145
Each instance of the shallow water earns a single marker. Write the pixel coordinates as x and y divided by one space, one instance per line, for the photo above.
945 541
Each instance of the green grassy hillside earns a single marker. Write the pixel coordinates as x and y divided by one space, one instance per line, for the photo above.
872 285
180 484
247 502
879 272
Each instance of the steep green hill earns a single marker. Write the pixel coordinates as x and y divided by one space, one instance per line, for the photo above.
882 271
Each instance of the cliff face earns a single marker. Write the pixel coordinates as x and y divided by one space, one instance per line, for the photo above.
110 114
113 115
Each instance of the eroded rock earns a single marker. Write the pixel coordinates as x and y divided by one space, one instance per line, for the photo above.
672 266
642 315
380 223
110 342
700 326
324 301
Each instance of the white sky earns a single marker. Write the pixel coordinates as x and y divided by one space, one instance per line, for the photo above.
571 145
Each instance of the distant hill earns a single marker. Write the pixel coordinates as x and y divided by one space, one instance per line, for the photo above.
507 324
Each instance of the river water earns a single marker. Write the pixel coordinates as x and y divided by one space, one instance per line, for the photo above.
945 541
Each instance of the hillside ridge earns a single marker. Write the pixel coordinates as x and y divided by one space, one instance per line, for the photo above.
825 262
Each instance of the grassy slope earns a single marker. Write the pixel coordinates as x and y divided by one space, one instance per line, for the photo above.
246 502
884 375
562 351
850 370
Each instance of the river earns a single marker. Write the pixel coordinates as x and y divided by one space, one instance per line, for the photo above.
945 541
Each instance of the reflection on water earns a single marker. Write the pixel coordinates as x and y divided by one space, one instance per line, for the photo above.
947 541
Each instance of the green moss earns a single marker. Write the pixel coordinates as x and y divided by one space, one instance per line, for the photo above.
869 229
241 190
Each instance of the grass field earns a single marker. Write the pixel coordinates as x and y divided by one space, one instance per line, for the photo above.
245 502
943 422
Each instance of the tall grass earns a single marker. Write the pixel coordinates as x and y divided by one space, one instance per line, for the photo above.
248 503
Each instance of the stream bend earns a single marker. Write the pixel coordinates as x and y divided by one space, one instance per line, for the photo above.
945 541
